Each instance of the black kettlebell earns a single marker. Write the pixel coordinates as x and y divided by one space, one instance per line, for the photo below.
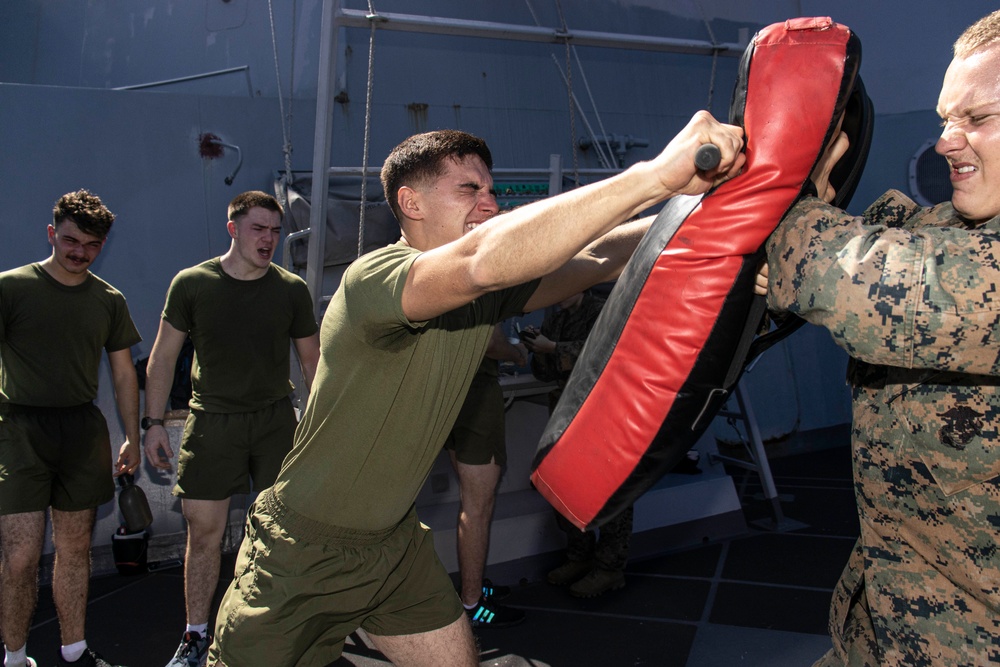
133 504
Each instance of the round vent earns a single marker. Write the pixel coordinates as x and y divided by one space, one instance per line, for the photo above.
929 180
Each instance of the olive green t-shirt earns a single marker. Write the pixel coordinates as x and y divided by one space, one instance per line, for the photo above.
241 330
52 336
386 394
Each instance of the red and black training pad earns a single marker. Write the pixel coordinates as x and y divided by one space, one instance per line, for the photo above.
675 332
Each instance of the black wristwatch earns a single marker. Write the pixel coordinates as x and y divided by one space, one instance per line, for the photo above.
148 423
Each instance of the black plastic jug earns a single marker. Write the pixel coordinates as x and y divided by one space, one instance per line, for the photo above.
133 504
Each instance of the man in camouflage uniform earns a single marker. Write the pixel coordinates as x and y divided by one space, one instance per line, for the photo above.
911 294
559 343
594 565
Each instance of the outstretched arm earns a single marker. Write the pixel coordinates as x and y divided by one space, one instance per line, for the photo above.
902 286
920 297
600 262
539 238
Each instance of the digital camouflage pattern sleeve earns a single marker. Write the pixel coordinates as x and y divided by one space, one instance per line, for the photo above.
891 292
570 330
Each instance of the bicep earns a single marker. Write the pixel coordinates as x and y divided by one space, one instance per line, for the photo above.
307 348
437 282
167 346
122 368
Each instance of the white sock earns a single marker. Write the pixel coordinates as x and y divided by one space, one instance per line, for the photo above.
200 629
17 658
72 652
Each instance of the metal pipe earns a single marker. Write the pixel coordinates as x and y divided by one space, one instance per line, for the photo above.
194 77
286 254
556 174
321 153
492 30
239 159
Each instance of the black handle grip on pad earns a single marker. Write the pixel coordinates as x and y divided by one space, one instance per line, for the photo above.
707 157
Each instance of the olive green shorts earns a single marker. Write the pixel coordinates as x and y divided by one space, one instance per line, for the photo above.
221 453
54 457
478 435
301 587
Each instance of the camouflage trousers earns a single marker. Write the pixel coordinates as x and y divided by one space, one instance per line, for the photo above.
609 549
922 585
920 633
851 626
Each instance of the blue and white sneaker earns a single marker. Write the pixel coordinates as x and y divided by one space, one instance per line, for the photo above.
492 591
488 614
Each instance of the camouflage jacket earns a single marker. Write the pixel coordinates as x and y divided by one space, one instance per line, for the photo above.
569 329
912 294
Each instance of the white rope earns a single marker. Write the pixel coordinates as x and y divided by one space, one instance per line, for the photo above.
372 18
715 54
531 10
286 121
711 81
569 89
607 160
291 88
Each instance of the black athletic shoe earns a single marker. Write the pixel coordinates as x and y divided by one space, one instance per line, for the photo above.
90 658
488 614
493 592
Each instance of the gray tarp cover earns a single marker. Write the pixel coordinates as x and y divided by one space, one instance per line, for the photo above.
342 218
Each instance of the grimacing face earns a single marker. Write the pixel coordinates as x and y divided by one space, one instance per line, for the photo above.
456 202
969 106
256 236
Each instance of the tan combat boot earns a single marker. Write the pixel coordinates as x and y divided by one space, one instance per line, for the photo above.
598 582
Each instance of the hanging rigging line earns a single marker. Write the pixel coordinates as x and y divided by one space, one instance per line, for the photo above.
597 142
286 121
715 55
600 144
607 161
569 87
374 18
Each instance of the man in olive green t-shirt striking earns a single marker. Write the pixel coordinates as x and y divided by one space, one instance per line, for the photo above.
56 319
335 544
241 312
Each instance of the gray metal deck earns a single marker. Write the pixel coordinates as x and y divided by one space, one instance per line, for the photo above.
760 598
